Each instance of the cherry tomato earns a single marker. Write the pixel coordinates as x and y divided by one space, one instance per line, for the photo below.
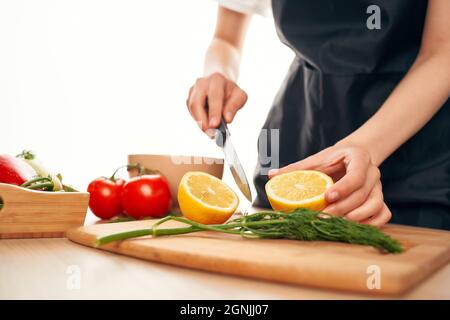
105 197
146 196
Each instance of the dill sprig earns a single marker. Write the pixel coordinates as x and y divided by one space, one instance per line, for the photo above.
301 224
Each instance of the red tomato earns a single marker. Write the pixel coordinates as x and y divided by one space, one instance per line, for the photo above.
105 195
146 196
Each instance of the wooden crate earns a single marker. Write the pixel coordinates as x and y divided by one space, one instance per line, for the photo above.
37 214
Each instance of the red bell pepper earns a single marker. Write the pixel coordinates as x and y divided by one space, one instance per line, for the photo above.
14 170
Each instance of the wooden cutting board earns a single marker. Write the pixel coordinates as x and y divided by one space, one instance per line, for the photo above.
321 264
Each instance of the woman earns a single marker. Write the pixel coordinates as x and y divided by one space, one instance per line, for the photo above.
367 92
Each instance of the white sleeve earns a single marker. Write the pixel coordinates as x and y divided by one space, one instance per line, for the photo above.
261 7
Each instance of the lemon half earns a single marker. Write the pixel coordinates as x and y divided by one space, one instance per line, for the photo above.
206 199
298 189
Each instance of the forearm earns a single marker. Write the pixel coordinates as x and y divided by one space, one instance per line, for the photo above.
222 57
417 98
224 53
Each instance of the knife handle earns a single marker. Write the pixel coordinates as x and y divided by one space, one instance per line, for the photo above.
221 133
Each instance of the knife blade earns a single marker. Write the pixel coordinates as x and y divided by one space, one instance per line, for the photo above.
223 140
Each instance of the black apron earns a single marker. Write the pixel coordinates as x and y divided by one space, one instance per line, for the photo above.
342 73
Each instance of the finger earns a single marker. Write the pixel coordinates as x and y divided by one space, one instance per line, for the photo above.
358 197
196 106
372 207
234 102
355 177
189 96
380 219
216 95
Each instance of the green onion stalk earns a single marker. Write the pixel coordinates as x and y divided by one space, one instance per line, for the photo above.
301 224
45 180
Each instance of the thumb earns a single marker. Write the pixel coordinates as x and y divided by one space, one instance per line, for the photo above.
309 163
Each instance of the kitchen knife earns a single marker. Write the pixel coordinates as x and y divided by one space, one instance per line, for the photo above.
223 140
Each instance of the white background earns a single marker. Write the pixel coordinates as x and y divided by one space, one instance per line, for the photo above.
84 83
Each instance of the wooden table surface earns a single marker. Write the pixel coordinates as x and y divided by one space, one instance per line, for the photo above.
45 269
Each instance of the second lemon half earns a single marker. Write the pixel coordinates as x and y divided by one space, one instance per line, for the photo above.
298 189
